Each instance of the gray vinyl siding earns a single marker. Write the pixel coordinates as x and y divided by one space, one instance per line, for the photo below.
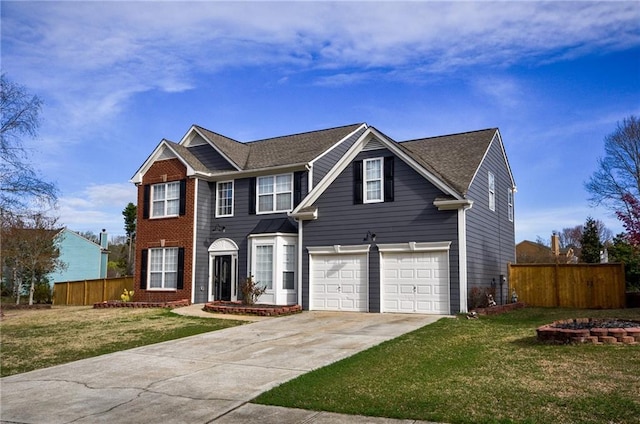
204 210
490 234
237 228
323 165
211 158
410 217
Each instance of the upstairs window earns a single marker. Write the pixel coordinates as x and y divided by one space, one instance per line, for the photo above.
275 193
165 199
373 180
510 204
224 199
492 192
373 189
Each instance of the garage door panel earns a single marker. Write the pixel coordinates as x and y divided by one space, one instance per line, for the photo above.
415 282
339 282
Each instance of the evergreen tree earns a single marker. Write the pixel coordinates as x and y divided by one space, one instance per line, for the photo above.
590 243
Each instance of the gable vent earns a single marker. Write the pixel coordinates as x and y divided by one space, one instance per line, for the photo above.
374 144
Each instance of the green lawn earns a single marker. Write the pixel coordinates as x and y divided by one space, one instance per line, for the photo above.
33 339
490 370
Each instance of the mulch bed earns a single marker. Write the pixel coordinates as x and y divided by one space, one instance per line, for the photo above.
499 309
238 308
592 331
120 304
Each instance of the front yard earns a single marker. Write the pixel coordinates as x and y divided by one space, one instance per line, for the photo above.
490 370
32 339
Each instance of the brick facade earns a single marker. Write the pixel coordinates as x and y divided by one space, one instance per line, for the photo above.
172 232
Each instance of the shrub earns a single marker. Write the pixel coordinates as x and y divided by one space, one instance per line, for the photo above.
251 291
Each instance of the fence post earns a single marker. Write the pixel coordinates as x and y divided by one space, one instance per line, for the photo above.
68 294
556 280
84 294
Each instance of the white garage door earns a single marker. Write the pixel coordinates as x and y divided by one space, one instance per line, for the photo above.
339 282
415 282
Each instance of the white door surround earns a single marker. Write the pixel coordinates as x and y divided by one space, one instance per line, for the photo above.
223 247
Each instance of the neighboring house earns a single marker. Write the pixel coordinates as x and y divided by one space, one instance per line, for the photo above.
84 259
338 219
529 252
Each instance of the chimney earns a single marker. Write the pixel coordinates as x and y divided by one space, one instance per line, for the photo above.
104 243
555 244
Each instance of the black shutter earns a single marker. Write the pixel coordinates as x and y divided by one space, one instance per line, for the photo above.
357 182
388 179
146 197
252 196
183 197
180 268
297 187
143 269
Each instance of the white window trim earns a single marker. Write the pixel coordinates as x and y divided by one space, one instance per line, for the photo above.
218 214
149 271
510 204
278 241
491 181
274 195
365 199
151 201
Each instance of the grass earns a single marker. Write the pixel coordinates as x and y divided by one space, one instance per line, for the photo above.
490 370
33 339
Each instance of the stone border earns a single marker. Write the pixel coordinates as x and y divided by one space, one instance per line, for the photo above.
500 309
120 304
550 334
237 308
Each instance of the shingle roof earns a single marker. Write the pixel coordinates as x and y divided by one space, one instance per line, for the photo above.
234 150
454 158
285 150
189 157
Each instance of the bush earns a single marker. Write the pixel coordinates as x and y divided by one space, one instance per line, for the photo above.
251 291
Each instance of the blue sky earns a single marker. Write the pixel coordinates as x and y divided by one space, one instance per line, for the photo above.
117 77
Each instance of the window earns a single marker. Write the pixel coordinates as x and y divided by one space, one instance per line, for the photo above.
264 266
373 191
275 193
165 199
224 199
288 266
510 204
163 268
492 192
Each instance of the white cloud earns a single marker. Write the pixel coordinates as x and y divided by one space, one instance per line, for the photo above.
96 207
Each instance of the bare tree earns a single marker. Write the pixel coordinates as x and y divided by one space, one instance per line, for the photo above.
19 119
572 236
618 172
30 250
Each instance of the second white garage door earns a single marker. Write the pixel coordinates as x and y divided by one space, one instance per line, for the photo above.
339 282
415 282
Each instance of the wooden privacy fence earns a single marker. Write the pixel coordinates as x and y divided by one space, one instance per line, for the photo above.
88 292
588 286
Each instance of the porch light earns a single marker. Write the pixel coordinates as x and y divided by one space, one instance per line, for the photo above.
219 228
369 236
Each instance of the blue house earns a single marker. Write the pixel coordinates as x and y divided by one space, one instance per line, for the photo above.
84 259
343 218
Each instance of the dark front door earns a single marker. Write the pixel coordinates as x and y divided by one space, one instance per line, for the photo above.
222 277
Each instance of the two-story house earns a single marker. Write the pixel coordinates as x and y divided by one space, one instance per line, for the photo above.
337 219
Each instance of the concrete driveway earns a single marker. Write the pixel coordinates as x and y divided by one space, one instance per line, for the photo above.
199 379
